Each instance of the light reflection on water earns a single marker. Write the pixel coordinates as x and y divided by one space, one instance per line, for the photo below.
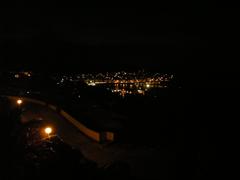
124 89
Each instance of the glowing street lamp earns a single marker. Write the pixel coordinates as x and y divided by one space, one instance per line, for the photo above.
48 130
148 85
19 101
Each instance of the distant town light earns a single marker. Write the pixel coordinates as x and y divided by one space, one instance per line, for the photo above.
148 85
92 84
16 76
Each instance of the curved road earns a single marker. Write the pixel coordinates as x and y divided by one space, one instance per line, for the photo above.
145 162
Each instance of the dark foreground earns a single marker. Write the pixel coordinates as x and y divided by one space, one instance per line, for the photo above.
27 153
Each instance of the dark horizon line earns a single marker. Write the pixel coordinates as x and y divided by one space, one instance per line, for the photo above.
90 70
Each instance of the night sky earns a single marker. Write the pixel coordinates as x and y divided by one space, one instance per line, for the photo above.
64 37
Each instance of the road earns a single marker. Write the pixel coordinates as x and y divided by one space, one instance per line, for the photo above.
143 161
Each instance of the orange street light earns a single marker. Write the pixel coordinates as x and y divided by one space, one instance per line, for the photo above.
19 101
48 130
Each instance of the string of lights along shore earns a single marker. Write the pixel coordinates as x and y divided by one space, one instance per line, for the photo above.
122 83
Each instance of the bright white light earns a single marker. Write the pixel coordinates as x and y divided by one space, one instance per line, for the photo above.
148 85
48 130
92 84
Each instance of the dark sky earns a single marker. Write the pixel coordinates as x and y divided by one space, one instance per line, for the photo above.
74 37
